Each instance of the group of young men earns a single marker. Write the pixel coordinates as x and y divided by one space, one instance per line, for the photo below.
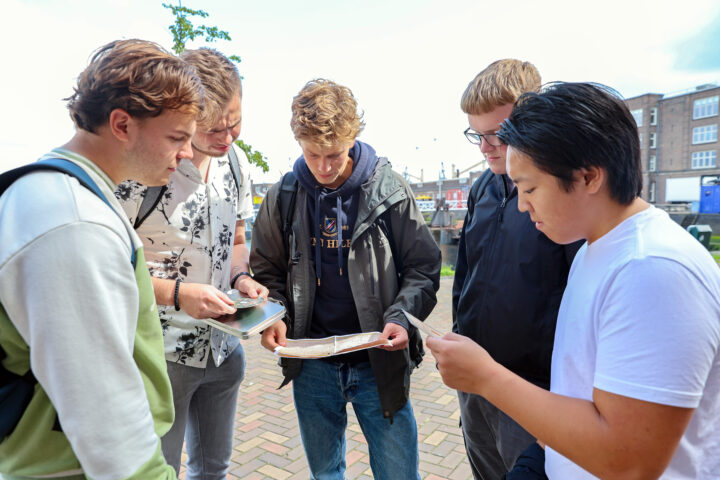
586 324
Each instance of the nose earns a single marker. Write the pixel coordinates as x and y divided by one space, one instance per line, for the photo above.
325 165
486 147
523 204
186 151
235 132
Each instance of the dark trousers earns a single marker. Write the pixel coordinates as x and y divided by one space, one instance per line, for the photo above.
530 465
493 440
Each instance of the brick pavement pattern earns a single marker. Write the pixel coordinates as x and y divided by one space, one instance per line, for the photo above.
267 438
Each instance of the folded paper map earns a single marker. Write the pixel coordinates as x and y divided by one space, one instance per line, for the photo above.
250 320
329 346
422 326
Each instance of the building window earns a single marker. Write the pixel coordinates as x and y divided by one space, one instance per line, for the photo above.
653 116
637 115
704 134
652 163
651 192
705 107
704 159
653 139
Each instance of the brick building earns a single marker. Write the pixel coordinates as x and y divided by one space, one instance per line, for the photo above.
679 144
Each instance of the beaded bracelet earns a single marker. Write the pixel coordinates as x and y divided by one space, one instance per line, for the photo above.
177 292
238 275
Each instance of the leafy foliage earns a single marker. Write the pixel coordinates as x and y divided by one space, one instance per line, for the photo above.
183 31
254 157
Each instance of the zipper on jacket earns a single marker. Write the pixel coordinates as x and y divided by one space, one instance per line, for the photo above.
502 209
504 200
372 272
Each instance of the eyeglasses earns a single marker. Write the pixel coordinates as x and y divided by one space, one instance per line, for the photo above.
478 138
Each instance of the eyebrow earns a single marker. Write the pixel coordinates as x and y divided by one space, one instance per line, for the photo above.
184 133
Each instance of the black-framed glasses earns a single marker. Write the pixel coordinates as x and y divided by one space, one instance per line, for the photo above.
477 138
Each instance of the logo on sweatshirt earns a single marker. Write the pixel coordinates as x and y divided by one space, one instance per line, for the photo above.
329 226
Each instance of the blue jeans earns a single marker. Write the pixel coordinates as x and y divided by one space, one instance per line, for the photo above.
321 393
205 402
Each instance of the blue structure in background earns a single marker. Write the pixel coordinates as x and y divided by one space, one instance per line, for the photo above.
710 195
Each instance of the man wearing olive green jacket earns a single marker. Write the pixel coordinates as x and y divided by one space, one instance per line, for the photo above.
73 308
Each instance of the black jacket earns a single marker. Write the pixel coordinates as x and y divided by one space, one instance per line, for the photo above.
379 297
509 281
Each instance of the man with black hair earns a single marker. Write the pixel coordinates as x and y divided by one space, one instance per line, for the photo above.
636 363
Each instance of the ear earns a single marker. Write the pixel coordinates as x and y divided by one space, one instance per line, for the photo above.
592 178
120 124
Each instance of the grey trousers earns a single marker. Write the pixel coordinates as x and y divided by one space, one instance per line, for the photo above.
492 439
205 402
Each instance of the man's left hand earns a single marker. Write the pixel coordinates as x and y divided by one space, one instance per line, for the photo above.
397 335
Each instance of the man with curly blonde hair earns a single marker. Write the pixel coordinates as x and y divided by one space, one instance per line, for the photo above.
356 254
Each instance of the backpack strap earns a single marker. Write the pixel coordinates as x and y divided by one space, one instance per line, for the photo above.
235 167
64 166
288 193
149 202
153 195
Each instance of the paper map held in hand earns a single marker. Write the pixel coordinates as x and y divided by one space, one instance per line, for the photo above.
329 346
422 326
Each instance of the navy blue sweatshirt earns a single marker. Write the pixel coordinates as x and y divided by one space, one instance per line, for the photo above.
333 214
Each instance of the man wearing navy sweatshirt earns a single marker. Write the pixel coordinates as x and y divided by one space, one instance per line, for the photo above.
357 253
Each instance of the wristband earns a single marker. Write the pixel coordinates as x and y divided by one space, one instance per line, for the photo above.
238 275
177 292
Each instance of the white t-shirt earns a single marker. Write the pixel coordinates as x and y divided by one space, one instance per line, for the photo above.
190 234
640 317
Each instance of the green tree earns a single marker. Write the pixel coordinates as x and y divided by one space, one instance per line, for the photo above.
183 31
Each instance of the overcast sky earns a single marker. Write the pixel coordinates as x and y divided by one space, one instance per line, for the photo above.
407 62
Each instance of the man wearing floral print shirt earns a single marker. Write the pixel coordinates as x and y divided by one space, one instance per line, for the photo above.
195 243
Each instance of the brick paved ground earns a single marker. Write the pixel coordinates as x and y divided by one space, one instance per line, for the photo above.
267 439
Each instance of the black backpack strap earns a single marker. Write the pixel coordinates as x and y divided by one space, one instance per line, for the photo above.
288 192
478 188
153 195
64 166
235 167
149 202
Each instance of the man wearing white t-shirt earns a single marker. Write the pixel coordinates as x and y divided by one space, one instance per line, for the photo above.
195 248
635 382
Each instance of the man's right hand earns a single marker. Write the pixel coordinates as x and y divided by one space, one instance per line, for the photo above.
274 336
204 301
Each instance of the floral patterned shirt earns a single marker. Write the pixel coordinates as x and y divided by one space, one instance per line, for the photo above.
190 234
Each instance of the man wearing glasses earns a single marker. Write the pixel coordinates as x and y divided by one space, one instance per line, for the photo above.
195 242
509 277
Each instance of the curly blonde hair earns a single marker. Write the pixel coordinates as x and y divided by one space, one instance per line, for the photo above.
137 76
325 114
500 83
